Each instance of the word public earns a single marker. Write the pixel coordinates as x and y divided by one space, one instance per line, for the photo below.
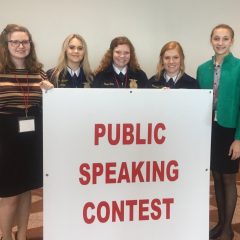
128 133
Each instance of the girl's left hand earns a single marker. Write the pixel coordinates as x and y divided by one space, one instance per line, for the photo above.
234 150
46 85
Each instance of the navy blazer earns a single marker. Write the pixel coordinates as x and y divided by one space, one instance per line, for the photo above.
108 78
185 81
67 81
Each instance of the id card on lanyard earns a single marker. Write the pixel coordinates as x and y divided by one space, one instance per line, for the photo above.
25 124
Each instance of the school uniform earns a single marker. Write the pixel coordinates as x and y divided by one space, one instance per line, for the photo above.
109 78
69 79
185 81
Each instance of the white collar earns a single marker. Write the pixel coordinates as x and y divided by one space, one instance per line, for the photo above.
174 78
72 72
123 71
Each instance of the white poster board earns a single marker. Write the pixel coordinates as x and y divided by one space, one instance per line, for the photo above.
126 164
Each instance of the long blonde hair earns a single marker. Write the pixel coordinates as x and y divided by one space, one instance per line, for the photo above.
62 60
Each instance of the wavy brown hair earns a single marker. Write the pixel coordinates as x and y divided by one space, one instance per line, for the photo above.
170 46
6 64
108 56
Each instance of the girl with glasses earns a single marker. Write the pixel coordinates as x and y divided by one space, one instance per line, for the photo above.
21 82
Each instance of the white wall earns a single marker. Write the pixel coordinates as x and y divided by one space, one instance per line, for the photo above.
147 23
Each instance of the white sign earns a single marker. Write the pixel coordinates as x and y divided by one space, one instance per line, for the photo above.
126 164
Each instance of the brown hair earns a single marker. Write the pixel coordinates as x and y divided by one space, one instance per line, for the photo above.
108 56
225 26
6 64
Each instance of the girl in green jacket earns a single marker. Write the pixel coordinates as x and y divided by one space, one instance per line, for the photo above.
222 74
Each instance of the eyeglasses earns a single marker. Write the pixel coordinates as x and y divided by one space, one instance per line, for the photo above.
16 43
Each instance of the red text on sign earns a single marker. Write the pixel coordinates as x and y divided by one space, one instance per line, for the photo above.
113 172
128 133
126 210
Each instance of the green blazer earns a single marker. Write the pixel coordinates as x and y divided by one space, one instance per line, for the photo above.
228 105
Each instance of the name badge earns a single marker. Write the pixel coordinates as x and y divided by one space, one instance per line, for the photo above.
26 124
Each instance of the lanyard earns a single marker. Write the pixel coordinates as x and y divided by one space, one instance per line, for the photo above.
25 93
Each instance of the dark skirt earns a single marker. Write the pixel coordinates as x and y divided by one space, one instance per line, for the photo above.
222 139
21 156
